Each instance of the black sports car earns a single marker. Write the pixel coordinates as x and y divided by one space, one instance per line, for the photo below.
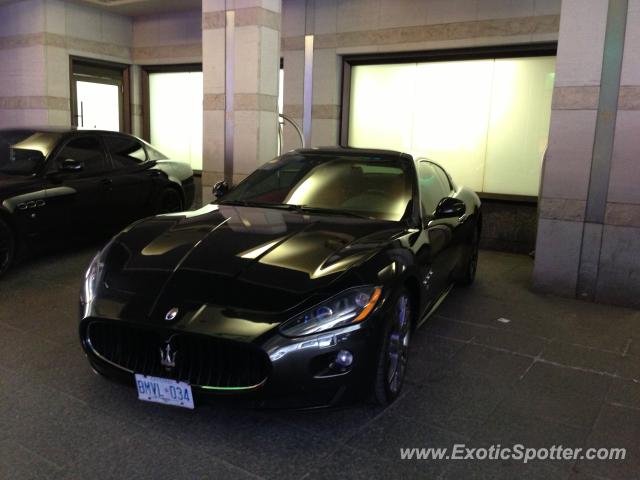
55 183
299 287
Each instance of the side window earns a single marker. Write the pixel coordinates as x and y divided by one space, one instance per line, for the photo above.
444 180
431 189
125 151
87 150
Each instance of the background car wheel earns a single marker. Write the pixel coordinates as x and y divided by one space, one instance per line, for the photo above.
7 247
170 201
392 362
468 270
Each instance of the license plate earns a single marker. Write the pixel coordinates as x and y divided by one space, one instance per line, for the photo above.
164 390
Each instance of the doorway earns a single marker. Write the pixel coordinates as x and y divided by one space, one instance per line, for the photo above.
99 95
173 96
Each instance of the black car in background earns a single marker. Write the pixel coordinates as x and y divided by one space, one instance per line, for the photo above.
58 184
299 287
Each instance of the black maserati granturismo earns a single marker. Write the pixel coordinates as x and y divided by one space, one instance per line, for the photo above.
301 286
61 184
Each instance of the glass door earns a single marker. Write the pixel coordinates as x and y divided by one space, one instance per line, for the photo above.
99 95
98 105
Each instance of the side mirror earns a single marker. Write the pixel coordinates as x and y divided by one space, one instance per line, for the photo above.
450 207
70 165
220 189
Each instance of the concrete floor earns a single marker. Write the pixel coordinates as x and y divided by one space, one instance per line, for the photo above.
560 372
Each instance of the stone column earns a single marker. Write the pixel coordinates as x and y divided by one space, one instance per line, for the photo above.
251 47
24 99
589 226
618 279
565 180
321 20
213 69
293 23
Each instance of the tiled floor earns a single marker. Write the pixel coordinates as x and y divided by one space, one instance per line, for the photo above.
558 372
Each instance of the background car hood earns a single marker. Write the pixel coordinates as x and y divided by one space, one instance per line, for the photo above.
236 263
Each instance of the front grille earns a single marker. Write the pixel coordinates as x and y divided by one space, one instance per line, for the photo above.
199 360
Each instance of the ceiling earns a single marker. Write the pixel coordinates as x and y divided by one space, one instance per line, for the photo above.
138 7
144 7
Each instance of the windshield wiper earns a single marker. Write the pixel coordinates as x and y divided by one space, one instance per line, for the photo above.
295 208
248 203
328 211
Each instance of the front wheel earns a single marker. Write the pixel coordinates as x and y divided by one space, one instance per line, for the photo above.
392 361
7 247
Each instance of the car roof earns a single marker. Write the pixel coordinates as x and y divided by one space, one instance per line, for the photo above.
338 150
37 128
63 130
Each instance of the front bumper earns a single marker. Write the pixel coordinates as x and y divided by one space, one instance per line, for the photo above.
302 372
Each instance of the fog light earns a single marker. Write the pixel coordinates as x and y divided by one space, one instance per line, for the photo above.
344 358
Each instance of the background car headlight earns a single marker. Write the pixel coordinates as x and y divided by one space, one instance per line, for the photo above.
92 278
350 306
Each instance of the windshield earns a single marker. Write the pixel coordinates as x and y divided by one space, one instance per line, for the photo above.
22 152
153 153
378 187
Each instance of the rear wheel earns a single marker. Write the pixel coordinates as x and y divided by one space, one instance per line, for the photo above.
170 201
469 268
7 247
392 361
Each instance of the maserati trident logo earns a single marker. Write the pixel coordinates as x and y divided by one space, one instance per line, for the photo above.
171 314
168 356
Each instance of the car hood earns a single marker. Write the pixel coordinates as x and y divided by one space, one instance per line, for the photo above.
224 267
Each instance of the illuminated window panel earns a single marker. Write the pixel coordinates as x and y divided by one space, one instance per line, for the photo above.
98 106
381 113
281 91
519 124
451 117
175 106
485 121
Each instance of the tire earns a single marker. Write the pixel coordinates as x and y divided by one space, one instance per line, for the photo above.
392 359
468 270
169 201
7 247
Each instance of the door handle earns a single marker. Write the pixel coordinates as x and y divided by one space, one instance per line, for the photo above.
81 116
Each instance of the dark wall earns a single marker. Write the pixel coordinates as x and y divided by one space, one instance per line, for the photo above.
508 226
197 200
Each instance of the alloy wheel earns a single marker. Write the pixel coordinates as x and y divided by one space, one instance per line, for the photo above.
399 337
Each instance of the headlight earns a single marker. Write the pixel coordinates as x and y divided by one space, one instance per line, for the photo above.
93 277
350 306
